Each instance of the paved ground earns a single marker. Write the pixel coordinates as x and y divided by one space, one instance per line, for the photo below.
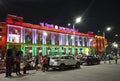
102 72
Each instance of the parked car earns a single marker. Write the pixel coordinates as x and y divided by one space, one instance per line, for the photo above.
90 60
63 61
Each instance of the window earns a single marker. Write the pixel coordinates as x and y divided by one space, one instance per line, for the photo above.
14 38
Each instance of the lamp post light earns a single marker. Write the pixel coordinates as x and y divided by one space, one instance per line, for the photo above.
104 35
77 20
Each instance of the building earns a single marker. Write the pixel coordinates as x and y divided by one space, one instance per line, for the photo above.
44 38
100 43
2 38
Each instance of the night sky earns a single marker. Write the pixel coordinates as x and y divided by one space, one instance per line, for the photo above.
96 14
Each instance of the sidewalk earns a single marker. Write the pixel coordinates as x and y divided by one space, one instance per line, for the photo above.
112 62
14 76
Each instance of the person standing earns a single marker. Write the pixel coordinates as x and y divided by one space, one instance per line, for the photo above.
116 58
17 62
24 58
45 61
109 58
41 62
8 62
36 61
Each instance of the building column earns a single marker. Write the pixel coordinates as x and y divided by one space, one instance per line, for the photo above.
83 41
66 39
52 39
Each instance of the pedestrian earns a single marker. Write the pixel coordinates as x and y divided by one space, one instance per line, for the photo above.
41 62
17 62
116 58
24 63
45 63
36 61
109 58
48 62
9 62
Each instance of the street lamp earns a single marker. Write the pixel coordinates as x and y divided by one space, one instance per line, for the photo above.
108 28
104 35
115 45
77 20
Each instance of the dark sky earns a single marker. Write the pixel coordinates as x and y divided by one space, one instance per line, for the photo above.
96 14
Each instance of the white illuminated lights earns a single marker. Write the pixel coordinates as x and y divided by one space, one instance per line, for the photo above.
72 37
45 33
115 44
69 24
56 27
30 51
78 20
90 40
108 29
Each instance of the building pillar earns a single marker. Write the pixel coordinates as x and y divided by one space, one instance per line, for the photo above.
83 41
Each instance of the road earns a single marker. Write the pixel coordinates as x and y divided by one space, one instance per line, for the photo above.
102 72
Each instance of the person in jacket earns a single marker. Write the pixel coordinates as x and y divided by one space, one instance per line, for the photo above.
9 63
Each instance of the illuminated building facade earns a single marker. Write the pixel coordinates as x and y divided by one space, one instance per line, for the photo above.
2 37
99 44
46 38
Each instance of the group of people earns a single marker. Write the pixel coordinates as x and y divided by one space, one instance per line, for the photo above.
12 62
42 62
14 59
114 57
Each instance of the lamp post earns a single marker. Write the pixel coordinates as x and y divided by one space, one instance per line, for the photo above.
115 45
77 20
104 35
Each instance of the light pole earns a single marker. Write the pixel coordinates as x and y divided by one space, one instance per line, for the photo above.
115 45
77 20
104 35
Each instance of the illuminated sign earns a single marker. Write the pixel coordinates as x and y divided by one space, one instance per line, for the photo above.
57 27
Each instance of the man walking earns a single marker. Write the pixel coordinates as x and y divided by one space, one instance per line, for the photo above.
116 58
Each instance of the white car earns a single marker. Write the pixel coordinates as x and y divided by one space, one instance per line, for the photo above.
63 61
